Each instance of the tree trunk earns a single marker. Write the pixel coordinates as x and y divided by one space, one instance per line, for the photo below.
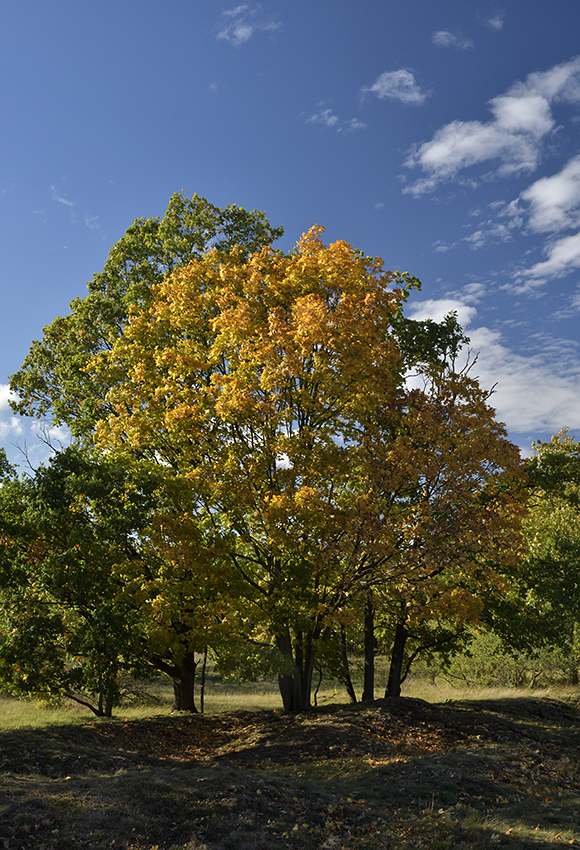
184 685
295 687
370 646
110 695
202 683
397 656
347 681
183 678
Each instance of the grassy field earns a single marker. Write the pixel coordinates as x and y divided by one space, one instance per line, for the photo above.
436 769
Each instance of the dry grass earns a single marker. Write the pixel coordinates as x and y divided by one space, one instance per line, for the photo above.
154 698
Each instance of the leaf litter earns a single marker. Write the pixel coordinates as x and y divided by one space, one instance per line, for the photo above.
394 773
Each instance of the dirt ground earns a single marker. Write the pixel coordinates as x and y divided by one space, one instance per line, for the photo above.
390 774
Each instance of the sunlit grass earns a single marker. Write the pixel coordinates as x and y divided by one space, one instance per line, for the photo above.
155 697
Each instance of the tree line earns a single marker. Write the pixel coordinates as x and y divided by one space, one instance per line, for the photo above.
270 462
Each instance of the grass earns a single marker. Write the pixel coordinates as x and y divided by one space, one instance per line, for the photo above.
155 697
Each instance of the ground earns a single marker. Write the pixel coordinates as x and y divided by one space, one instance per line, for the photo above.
391 774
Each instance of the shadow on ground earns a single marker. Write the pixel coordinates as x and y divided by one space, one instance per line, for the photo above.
394 773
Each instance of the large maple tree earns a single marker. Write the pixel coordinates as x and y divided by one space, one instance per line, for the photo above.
273 393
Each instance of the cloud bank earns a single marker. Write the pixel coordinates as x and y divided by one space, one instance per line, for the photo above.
536 394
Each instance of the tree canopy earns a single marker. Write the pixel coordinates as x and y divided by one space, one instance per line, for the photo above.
307 456
53 381
275 390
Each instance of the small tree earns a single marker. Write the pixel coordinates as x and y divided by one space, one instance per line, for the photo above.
67 628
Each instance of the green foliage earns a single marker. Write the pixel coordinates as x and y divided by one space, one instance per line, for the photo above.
541 606
54 381
67 627
489 663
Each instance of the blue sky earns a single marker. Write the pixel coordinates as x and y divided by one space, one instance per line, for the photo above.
442 136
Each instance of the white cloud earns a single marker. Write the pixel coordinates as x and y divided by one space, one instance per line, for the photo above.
239 24
496 22
438 308
326 117
6 395
554 202
445 38
522 118
563 258
397 85
52 435
10 425
549 206
10 428
535 394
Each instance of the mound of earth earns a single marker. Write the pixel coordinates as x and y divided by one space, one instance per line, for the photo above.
392 773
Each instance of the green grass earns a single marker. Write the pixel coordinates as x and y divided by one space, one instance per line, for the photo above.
155 697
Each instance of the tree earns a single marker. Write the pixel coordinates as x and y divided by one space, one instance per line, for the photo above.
91 585
273 389
455 484
54 381
67 626
542 607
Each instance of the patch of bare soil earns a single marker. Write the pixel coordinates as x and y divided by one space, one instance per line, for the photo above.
394 773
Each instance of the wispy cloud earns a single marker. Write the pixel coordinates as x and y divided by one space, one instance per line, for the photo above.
352 126
327 118
66 202
487 232
496 21
445 38
92 222
522 118
397 85
88 219
238 25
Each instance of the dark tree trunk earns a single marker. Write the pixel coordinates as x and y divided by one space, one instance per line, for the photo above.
184 685
106 699
110 695
295 687
183 677
397 656
370 646
347 681
202 682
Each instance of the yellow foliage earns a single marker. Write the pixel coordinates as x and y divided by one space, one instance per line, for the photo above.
274 390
